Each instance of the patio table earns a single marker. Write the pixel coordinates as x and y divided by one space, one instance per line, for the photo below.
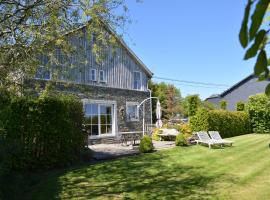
130 136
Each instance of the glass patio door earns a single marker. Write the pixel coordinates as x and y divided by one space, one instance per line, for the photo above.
99 119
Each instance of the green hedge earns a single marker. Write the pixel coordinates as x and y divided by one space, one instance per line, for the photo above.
228 123
258 107
146 145
41 133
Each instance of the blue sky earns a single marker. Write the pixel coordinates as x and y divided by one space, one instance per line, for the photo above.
190 40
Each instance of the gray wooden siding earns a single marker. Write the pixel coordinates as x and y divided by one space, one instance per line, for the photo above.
118 66
242 93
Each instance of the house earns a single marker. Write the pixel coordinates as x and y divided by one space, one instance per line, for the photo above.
241 91
110 91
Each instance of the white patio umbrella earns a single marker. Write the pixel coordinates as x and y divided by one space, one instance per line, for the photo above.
158 115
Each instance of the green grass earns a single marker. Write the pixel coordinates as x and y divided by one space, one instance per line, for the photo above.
238 172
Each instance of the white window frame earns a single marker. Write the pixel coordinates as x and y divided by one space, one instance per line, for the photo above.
104 76
90 74
140 80
114 115
130 103
47 79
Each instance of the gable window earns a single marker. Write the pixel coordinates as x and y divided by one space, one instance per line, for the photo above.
137 80
132 111
102 77
93 74
43 73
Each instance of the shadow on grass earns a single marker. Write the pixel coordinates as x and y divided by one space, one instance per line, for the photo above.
150 176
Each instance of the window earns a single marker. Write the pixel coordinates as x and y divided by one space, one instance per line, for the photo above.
132 111
93 74
137 81
43 73
102 76
99 118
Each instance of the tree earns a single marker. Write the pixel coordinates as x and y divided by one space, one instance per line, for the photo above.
169 97
253 30
30 28
193 103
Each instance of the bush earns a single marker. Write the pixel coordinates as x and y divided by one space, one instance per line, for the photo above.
258 107
180 140
228 123
240 106
223 104
41 133
193 104
185 129
146 144
155 135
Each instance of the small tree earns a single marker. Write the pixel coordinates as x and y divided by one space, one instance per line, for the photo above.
223 104
193 104
240 106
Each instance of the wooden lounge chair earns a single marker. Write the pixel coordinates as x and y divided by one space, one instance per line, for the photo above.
204 138
216 136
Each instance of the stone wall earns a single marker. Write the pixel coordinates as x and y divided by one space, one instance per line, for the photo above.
121 96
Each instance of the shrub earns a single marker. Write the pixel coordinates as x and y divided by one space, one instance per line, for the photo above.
240 106
223 104
193 104
185 129
42 133
226 122
258 107
180 140
146 144
155 135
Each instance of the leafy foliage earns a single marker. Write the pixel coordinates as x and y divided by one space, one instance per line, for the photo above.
240 106
41 133
258 107
223 104
226 122
146 145
180 140
155 135
193 104
169 97
253 31
29 29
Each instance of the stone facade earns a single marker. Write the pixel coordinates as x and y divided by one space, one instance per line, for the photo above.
120 96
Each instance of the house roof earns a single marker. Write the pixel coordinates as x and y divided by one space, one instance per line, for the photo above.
243 81
237 85
123 44
213 96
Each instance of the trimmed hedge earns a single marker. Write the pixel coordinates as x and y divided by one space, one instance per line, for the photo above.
41 133
258 107
146 145
228 123
180 140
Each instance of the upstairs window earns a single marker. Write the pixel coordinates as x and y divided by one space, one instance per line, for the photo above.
137 80
102 77
43 73
93 74
132 111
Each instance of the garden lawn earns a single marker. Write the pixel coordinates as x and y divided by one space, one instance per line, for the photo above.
196 172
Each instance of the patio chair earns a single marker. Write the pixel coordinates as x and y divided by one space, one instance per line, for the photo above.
204 138
216 136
